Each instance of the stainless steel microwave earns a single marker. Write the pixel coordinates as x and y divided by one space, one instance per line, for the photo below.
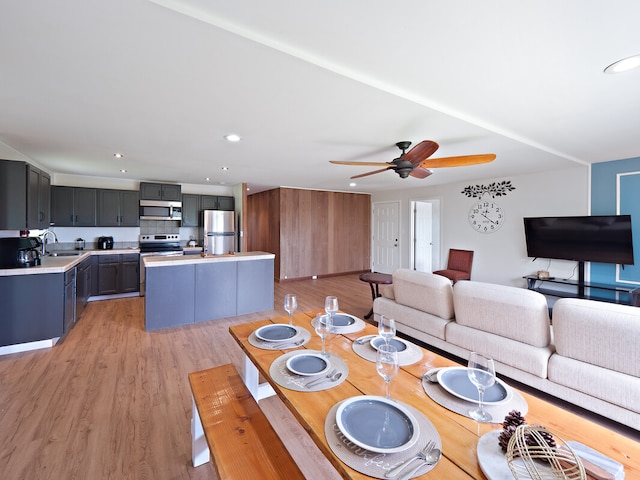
160 210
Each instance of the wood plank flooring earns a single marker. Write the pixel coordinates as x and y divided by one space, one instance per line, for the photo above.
112 401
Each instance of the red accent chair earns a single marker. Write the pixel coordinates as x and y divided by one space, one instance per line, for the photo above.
458 266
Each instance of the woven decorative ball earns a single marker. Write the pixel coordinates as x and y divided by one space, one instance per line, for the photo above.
535 453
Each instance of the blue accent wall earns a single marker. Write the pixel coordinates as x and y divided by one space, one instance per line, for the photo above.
612 182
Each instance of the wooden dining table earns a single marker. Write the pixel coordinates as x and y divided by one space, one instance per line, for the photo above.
459 434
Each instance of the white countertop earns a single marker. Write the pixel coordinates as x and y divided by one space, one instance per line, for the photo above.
194 259
62 264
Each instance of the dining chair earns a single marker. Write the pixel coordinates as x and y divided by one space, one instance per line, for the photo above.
458 265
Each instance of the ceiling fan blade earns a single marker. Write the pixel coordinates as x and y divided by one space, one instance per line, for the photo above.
461 161
421 152
372 173
360 164
420 172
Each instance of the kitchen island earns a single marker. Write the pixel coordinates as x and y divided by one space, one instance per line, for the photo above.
188 289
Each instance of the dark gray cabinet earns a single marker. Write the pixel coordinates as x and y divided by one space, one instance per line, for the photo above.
83 286
38 198
118 208
129 273
69 299
160 191
118 273
32 308
193 205
24 196
190 210
73 206
108 268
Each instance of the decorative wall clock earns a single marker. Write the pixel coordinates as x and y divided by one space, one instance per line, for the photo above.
486 216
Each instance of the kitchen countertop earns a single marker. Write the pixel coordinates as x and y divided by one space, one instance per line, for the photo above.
194 259
62 264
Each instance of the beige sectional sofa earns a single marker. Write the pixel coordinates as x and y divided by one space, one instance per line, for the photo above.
589 357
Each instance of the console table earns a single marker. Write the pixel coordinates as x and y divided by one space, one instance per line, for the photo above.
592 291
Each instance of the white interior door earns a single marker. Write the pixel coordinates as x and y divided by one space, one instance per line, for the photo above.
422 236
386 241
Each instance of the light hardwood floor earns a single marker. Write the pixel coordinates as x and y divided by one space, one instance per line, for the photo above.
112 401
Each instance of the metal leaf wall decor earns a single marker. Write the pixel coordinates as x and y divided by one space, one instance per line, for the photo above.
495 189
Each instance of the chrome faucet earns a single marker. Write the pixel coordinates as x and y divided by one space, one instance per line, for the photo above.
44 240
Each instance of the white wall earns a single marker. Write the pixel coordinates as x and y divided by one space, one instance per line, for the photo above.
500 257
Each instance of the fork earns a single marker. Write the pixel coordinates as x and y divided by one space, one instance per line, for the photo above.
321 379
394 472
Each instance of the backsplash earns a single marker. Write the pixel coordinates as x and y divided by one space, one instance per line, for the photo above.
148 227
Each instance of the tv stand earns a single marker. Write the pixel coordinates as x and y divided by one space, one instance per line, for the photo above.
581 289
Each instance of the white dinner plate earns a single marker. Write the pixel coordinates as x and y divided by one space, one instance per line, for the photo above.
377 424
276 333
308 364
456 381
400 344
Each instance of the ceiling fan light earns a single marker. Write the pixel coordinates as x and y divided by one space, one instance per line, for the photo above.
623 65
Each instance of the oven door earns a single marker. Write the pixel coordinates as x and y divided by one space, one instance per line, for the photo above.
152 254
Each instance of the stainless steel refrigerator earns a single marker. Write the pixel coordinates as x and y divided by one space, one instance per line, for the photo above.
219 232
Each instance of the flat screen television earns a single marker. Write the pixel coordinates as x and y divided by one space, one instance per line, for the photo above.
598 238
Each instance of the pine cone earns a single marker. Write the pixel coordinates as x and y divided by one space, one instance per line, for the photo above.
511 422
546 436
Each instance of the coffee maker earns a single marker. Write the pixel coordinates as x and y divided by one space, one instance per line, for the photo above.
20 252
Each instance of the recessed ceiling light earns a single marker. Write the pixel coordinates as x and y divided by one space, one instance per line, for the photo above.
232 137
225 168
623 65
118 155
123 171
352 184
208 179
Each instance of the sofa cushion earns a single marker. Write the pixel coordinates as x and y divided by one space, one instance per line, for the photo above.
417 319
424 291
527 358
599 333
613 387
510 312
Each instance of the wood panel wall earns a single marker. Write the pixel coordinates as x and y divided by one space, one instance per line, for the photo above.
311 232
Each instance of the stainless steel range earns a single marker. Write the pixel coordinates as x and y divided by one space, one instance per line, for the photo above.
159 244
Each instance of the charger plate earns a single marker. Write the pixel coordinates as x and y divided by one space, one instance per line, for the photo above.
375 464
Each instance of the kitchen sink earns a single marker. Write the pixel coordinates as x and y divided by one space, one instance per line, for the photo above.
65 254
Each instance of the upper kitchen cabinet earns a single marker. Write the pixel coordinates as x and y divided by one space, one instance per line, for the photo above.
193 205
211 202
24 196
190 210
160 191
73 206
118 208
38 198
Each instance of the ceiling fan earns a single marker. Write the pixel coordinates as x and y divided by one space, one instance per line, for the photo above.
416 161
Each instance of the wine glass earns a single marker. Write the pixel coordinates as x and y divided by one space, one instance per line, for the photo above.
482 374
323 326
386 328
290 305
331 306
387 364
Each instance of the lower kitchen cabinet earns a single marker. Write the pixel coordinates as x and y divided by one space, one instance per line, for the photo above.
83 286
32 308
118 273
69 299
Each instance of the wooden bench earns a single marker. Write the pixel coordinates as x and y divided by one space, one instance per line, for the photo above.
228 423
